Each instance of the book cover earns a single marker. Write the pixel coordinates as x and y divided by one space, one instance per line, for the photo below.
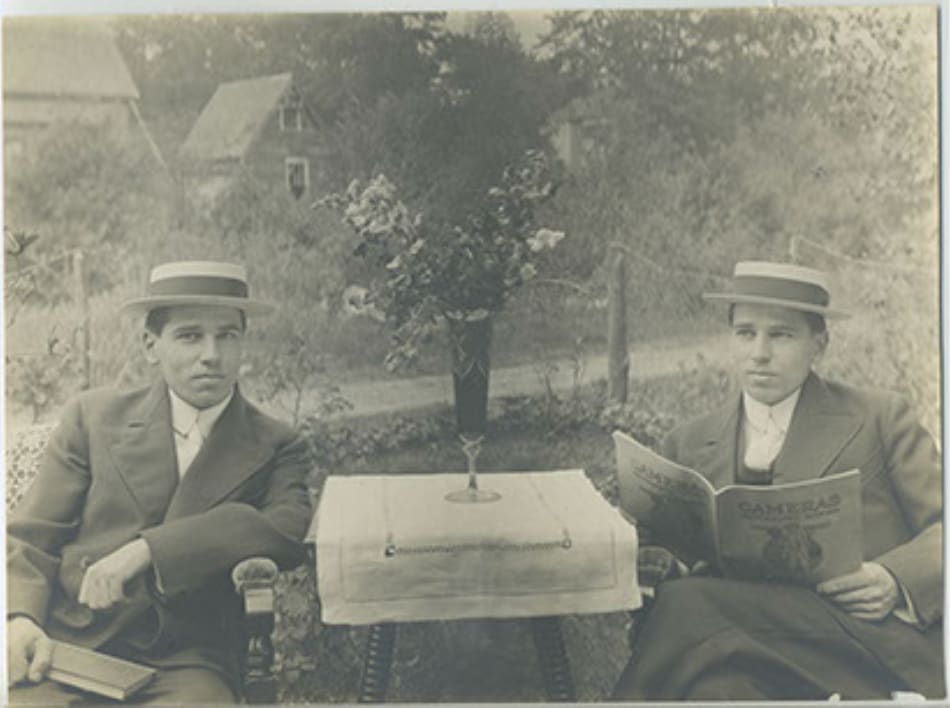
96 672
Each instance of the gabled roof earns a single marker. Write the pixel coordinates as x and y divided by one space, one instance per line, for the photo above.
63 57
234 117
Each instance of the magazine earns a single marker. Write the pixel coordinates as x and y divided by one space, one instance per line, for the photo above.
801 532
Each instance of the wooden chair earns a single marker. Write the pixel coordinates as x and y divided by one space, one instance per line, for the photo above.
253 578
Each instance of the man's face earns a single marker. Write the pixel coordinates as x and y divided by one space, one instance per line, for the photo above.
199 352
773 350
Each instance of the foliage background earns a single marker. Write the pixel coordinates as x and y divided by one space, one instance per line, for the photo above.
706 136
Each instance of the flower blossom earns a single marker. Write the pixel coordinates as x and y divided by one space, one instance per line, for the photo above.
544 238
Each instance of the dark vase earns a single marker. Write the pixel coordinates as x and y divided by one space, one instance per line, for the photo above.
470 341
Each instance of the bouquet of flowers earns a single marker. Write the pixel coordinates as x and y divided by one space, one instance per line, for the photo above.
466 272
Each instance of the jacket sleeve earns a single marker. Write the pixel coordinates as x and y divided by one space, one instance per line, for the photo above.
189 551
914 466
47 517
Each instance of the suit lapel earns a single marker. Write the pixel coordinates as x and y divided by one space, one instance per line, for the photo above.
231 454
819 430
144 453
719 455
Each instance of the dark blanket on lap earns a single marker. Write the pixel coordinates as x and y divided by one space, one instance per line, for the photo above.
794 642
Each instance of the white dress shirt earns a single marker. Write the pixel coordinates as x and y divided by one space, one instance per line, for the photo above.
192 427
765 429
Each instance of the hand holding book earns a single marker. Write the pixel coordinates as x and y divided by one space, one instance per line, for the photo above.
32 656
29 650
869 593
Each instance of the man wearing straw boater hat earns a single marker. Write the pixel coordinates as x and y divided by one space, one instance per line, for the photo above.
863 635
145 500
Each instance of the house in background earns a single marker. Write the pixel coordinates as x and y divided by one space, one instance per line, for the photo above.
260 127
58 71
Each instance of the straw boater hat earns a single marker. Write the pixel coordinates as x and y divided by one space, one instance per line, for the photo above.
197 283
781 285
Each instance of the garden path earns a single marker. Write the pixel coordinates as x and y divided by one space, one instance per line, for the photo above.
652 360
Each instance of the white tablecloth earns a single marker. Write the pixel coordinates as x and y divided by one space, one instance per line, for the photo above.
391 548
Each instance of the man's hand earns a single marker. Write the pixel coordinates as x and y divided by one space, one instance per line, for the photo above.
656 564
869 593
103 585
29 650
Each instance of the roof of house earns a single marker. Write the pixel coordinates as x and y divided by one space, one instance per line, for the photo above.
63 57
234 117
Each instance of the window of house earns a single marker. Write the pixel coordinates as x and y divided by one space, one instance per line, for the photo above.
291 115
297 170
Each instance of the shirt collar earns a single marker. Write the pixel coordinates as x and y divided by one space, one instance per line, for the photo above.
781 413
184 414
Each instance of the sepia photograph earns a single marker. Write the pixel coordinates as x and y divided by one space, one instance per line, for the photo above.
569 355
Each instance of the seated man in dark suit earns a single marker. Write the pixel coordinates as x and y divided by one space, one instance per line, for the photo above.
146 499
862 635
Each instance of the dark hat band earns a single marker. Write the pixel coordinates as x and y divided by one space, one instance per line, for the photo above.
781 289
198 285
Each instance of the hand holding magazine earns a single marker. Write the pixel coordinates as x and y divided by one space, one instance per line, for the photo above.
802 532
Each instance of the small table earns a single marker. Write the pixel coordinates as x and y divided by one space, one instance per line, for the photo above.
391 548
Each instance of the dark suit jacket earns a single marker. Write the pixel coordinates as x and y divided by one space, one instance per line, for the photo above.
837 428
110 475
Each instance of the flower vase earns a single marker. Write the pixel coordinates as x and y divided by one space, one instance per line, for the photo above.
470 342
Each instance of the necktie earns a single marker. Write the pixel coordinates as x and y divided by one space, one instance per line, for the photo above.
188 443
764 444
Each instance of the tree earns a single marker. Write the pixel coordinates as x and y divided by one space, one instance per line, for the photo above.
772 121
697 73
84 186
492 28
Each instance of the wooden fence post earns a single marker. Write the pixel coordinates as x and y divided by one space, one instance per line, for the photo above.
82 299
618 360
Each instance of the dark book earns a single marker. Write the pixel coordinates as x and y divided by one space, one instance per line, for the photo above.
96 672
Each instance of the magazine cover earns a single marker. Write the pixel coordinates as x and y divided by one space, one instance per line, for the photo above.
803 532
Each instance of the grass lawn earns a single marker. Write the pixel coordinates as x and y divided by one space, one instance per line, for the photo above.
485 660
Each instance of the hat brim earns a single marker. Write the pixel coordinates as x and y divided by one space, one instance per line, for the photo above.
252 308
735 299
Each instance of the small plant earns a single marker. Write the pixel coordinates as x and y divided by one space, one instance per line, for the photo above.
41 381
294 376
21 277
40 378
